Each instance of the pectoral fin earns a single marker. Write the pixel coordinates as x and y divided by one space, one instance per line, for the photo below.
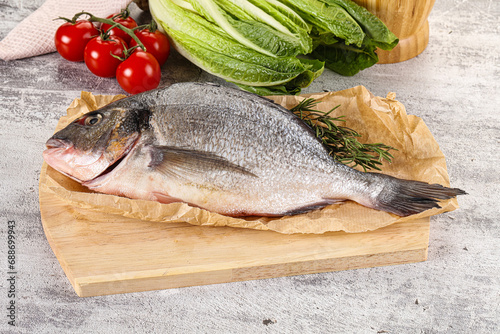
185 163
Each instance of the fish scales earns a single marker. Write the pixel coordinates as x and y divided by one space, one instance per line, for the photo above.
224 150
235 130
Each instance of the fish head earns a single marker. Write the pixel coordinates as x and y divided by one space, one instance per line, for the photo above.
89 145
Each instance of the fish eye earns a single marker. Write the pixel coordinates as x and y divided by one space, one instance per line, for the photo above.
93 119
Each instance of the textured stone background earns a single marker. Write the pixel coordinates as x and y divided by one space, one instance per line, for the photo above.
453 86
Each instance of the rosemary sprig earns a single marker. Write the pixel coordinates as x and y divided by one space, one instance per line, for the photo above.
341 141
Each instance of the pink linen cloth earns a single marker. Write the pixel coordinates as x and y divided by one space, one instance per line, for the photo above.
35 34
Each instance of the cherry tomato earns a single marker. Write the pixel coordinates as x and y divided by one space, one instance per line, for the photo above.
98 56
156 43
71 38
128 22
139 72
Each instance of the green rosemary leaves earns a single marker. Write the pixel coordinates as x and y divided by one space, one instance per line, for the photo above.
341 141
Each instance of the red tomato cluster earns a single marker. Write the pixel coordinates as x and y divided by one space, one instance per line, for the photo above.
139 72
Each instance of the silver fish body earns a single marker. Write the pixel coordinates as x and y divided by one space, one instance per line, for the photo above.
226 151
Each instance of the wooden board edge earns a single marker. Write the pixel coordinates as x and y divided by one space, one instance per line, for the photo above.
46 230
88 287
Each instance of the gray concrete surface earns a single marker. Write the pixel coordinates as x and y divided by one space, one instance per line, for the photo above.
453 86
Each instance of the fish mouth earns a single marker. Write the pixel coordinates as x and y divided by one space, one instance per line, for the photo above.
66 151
111 167
68 160
96 181
57 154
54 143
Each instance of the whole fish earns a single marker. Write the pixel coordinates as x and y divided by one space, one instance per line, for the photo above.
223 150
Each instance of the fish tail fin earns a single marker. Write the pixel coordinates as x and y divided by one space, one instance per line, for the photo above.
407 197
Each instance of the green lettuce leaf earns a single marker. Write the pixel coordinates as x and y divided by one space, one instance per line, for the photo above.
289 19
211 48
346 59
346 56
314 68
378 33
329 18
253 27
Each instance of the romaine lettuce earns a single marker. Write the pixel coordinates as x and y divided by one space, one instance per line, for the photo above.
211 48
260 44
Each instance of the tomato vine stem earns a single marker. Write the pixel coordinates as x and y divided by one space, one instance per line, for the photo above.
130 32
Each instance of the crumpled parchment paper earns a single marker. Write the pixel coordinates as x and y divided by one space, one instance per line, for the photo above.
376 119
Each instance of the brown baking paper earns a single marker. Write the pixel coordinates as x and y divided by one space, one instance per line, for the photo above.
377 119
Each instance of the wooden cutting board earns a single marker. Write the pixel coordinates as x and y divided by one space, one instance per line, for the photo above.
108 254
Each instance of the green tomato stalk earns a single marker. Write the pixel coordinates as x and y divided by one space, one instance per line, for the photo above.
125 13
